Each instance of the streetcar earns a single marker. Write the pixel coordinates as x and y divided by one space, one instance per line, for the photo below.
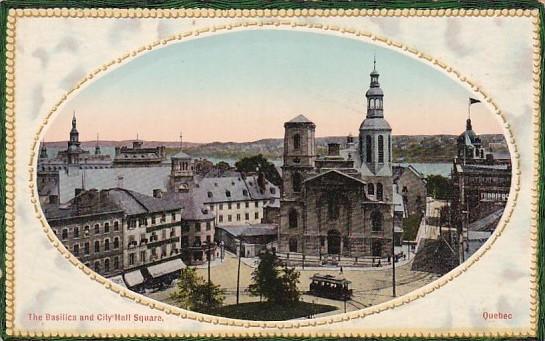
329 286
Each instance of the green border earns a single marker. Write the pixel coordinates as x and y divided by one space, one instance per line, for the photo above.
248 4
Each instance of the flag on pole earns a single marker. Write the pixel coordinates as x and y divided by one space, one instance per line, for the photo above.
473 101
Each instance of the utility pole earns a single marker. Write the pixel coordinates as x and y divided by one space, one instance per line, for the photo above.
393 258
238 272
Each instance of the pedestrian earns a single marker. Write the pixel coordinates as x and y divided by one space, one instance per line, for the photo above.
341 269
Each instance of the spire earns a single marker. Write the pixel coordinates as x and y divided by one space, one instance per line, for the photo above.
97 147
74 120
43 150
374 94
181 141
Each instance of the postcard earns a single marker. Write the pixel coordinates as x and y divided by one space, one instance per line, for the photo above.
272 172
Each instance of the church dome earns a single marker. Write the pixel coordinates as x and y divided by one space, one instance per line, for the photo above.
375 123
374 91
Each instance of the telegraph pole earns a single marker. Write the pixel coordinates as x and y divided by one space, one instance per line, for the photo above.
393 258
238 272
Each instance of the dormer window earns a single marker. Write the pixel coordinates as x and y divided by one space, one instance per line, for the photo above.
228 194
210 195
273 190
245 192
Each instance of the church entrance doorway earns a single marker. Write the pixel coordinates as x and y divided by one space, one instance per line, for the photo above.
376 248
333 242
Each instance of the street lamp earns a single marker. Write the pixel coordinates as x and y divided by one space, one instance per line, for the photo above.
238 271
393 258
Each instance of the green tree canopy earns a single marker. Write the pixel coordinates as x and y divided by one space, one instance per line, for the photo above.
439 187
273 281
194 293
259 163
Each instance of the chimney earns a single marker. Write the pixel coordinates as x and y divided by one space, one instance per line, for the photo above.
261 181
157 193
333 149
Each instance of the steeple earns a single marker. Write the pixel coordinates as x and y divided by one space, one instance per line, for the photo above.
74 134
43 151
374 94
97 148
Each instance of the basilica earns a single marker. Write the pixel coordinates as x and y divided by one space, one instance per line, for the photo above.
341 203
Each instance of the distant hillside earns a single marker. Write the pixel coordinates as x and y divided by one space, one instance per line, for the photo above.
406 148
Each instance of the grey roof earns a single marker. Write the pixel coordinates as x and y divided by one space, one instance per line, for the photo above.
375 123
86 203
250 230
192 204
139 179
487 223
240 189
180 155
136 203
267 192
374 91
299 119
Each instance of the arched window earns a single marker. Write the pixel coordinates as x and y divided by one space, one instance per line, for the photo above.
64 234
76 250
380 148
296 182
292 218
379 191
371 189
296 141
106 265
376 221
116 226
116 243
106 227
97 266
368 148
97 246
97 228
389 148
332 208
293 244
107 245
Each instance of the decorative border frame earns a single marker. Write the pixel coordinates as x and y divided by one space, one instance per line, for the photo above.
232 13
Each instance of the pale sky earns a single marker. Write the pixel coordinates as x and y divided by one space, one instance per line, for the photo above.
242 86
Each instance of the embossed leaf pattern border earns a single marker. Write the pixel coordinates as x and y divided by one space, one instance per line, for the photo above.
8 138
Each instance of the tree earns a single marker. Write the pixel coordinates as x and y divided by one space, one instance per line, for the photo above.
194 293
439 187
273 281
222 165
259 163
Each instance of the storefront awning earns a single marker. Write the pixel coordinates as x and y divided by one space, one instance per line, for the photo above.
166 267
118 280
133 278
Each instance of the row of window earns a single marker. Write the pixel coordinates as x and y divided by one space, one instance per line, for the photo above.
376 218
154 254
76 233
381 151
379 191
238 217
155 219
238 205
97 265
97 247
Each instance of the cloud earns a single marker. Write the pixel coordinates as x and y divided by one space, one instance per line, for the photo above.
37 99
123 29
42 55
69 44
453 39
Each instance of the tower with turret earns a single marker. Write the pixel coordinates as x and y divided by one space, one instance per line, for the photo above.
375 144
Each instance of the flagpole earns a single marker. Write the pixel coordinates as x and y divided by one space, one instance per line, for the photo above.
469 110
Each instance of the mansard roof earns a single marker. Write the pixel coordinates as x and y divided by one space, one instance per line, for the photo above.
375 123
300 119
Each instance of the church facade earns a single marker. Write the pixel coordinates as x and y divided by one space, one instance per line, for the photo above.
340 203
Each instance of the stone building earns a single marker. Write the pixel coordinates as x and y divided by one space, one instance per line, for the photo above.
340 203
139 156
74 157
480 187
481 183
91 228
411 185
